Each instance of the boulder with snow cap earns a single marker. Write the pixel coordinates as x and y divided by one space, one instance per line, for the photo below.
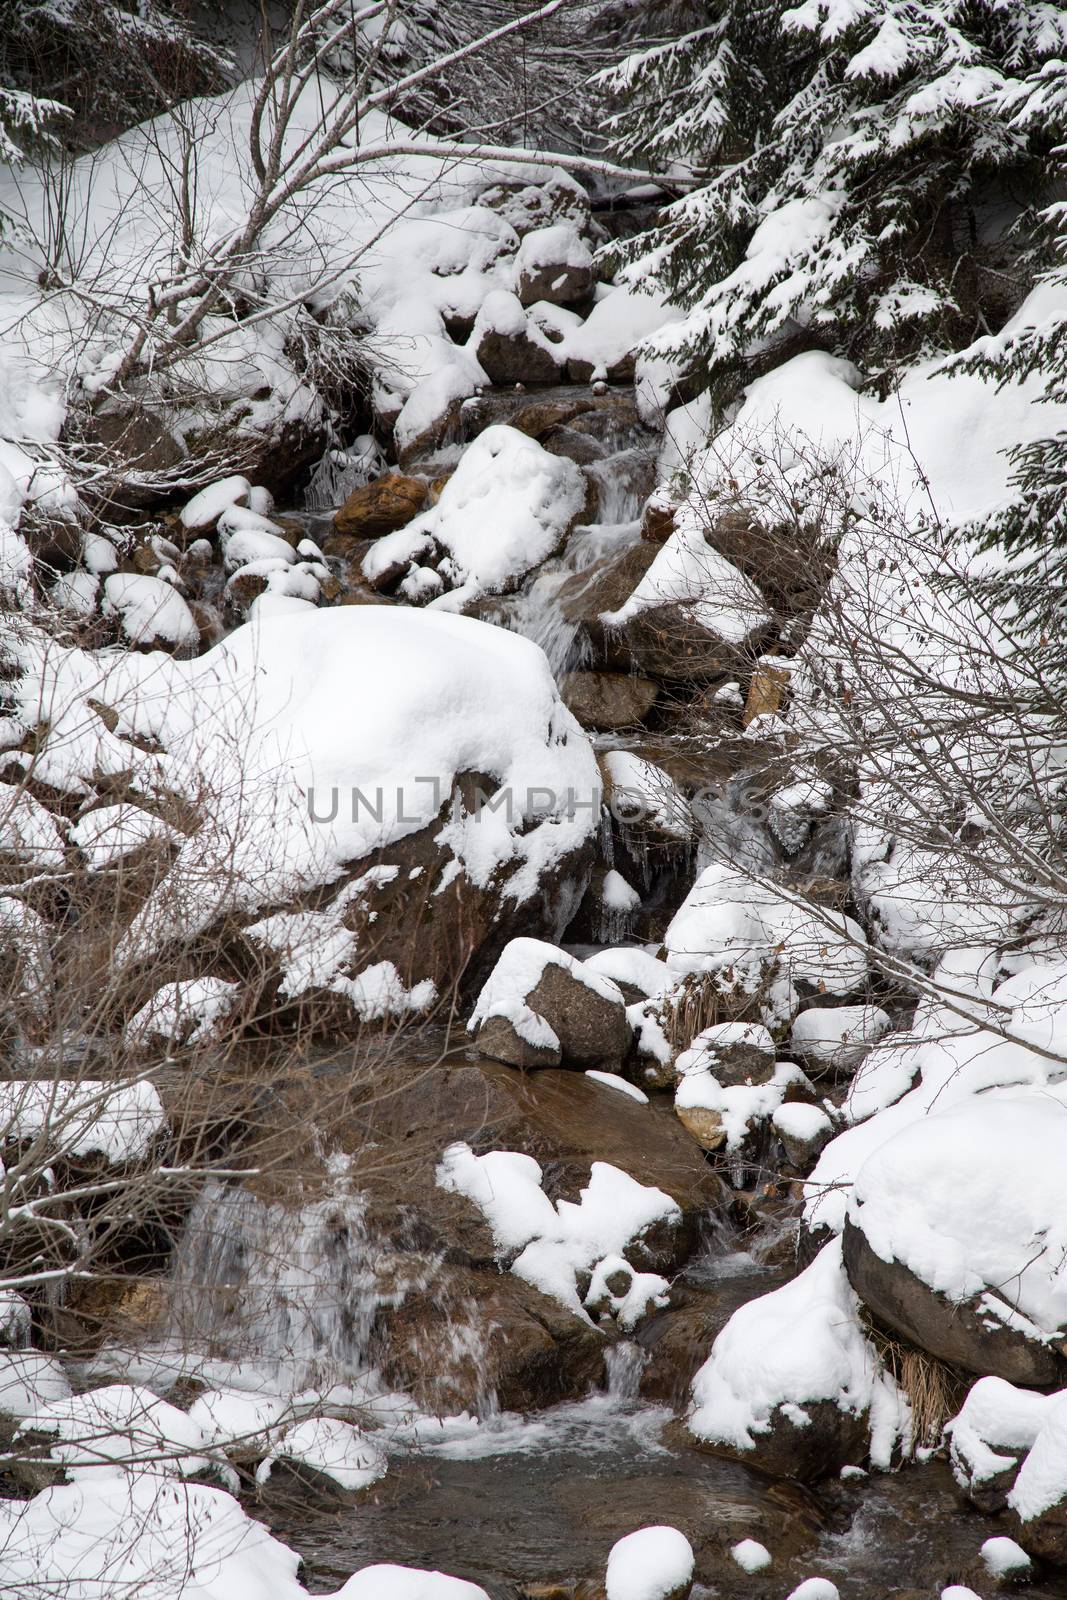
654 1563
836 1039
509 346
739 1052
541 1008
556 265
693 616
956 1234
793 1385
988 1438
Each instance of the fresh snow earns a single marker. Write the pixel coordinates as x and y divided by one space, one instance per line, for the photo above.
550 1245
649 1565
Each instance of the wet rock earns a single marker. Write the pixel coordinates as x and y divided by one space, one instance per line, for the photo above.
380 507
577 447
606 700
959 1334
705 1125
476 1339
140 450
565 1120
583 598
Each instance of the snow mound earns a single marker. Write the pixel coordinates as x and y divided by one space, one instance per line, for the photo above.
649 1565
754 940
786 1350
150 611
327 1445
387 1582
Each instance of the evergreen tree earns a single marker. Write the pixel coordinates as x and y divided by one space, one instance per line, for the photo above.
1031 529
853 161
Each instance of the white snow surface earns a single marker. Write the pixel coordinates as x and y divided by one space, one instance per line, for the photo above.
549 1245
973 1200
337 1449
708 589
150 610
84 1117
649 1564
506 508
265 737
746 933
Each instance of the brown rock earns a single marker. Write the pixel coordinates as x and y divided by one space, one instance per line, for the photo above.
765 692
605 587
565 1120
380 507
705 1126
606 700
516 358
657 521
958 1334
669 643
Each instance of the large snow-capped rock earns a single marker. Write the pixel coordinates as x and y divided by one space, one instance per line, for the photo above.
422 766
956 1235
508 506
542 1008
793 1384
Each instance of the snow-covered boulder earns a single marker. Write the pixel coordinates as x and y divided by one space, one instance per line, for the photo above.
556 265
988 1438
328 1453
557 1249
793 1384
541 1007
126 1534
151 612
837 1038
763 948
723 1114
956 1235
387 1582
510 347
508 506
191 1012
603 347
652 1564
803 1130
202 512
738 1052
693 615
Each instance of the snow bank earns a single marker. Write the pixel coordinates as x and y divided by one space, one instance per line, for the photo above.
84 1118
126 1535
336 1449
295 776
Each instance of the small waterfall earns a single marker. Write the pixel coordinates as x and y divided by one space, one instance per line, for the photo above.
296 1289
624 482
535 612
624 1364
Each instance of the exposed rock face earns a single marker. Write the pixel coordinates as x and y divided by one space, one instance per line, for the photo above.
828 1440
738 1052
471 1339
584 597
380 507
607 700
705 1126
958 1334
672 643
565 1120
